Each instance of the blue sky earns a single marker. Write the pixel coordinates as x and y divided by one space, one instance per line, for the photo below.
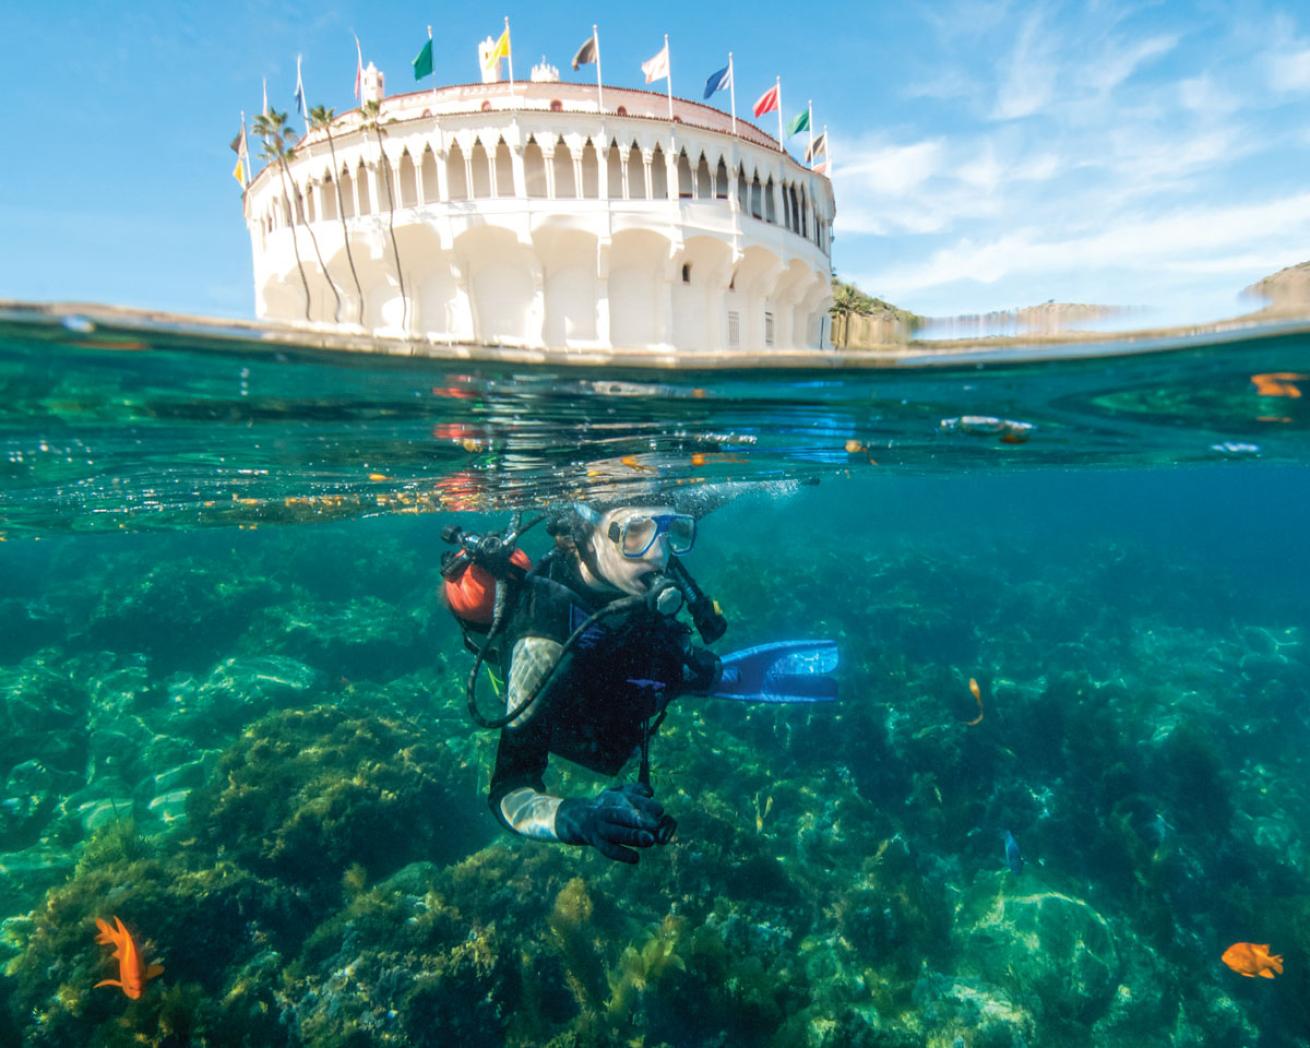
987 154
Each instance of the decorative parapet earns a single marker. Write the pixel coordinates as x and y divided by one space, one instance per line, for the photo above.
524 215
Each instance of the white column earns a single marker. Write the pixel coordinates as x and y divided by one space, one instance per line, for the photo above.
549 160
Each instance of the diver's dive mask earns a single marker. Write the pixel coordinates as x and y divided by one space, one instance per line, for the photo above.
639 532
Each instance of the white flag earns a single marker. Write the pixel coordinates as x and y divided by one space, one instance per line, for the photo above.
657 66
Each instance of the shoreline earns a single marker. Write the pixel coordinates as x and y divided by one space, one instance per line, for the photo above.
253 335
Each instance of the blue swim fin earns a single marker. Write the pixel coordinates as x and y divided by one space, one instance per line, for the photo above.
784 671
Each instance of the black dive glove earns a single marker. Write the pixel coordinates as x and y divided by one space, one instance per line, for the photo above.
626 814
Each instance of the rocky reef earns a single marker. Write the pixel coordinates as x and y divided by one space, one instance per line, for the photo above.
255 754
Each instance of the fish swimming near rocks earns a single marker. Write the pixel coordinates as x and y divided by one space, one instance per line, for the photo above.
132 974
1252 960
1013 857
976 692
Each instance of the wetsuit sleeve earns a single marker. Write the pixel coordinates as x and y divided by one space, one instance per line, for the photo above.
518 791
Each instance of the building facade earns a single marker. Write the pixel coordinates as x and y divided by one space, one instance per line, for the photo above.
529 215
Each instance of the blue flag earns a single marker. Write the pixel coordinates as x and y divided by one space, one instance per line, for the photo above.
719 81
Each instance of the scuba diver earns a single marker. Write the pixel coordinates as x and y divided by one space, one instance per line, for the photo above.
589 650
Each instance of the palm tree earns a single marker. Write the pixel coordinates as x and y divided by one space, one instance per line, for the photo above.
372 112
321 117
278 138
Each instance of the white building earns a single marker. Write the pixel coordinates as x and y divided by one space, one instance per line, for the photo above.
525 215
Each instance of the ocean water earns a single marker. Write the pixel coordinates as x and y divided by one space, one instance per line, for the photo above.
232 702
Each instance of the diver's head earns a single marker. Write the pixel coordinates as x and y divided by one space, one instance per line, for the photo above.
626 548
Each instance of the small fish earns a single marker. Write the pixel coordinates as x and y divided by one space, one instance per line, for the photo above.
1012 854
976 692
1250 960
132 977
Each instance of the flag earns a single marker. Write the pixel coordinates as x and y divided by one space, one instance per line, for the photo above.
359 67
799 123
498 51
720 81
238 146
423 63
819 145
586 53
300 95
767 101
657 66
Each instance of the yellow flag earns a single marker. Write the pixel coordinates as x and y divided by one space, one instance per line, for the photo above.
239 174
501 50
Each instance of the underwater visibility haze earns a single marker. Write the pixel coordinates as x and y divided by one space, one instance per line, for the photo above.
1062 798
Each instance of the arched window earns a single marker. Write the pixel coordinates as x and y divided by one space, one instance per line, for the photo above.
743 187
770 203
659 175
590 172
636 174
685 189
786 205
486 106
481 171
456 177
504 171
565 184
556 106
757 197
805 213
614 170
795 210
704 180
534 170
721 181
408 181
347 194
621 111
330 198
429 182
686 272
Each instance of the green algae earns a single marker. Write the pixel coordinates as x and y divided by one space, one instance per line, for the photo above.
327 872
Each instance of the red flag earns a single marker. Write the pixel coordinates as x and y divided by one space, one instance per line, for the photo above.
767 101
359 66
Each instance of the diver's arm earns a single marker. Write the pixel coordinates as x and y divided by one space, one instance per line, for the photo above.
620 819
518 792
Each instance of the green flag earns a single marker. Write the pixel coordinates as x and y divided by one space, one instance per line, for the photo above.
800 122
423 63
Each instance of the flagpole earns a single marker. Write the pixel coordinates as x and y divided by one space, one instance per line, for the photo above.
732 91
778 85
668 78
244 155
434 77
509 53
810 124
266 96
600 87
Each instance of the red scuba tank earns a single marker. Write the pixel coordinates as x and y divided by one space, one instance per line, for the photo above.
471 593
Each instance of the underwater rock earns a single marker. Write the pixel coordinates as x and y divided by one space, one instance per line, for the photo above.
366 638
236 692
304 794
25 874
184 612
952 1009
1050 951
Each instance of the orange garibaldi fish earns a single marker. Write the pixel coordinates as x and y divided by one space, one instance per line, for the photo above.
132 975
1249 959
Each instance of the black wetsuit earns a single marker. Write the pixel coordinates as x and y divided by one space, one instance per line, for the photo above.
618 677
